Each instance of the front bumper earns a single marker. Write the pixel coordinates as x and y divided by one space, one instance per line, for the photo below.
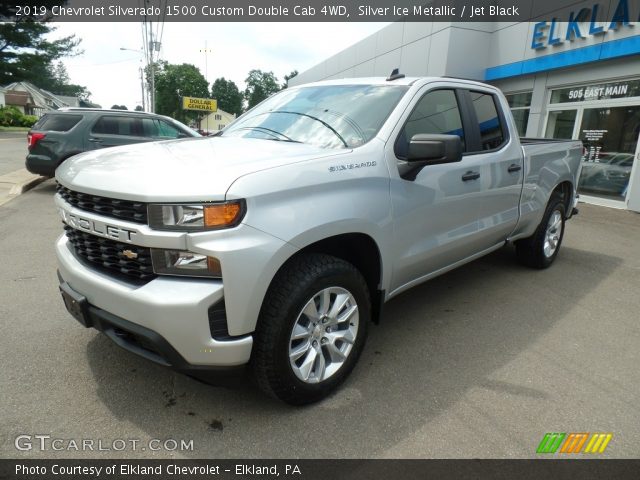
169 314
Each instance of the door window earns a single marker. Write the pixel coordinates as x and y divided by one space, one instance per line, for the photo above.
491 128
438 113
115 125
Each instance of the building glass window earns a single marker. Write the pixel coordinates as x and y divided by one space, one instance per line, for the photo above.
560 124
610 137
598 91
520 105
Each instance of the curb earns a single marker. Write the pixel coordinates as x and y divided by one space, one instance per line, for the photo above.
16 183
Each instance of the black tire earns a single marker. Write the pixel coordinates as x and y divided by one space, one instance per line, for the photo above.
531 251
295 286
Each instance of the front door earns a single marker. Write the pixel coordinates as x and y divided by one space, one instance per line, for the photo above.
435 214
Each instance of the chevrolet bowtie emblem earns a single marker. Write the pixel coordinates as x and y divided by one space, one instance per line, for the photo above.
129 254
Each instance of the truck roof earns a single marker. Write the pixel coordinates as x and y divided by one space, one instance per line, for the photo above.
383 81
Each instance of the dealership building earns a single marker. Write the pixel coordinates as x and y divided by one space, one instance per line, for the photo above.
569 73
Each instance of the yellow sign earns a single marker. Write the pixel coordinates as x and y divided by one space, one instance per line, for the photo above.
201 104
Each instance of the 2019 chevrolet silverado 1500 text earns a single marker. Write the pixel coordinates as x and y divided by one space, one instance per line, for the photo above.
275 243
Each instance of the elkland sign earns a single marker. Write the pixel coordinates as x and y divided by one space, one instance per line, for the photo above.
581 23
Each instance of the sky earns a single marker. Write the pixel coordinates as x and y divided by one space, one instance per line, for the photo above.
112 75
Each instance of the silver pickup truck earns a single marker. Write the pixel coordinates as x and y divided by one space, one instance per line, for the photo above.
277 242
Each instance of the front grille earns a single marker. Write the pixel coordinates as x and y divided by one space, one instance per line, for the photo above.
107 255
109 207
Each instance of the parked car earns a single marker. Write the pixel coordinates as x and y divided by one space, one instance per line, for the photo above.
66 132
275 243
610 174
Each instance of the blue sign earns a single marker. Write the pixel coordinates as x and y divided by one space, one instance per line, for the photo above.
581 23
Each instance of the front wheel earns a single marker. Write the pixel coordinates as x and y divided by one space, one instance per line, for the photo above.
312 328
541 248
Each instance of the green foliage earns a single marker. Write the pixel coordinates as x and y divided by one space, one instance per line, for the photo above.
260 85
228 95
172 82
28 120
138 108
12 117
119 107
58 83
26 54
289 77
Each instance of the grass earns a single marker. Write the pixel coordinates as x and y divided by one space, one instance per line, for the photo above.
13 129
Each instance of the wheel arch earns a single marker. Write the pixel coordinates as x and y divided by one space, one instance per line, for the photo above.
359 249
565 190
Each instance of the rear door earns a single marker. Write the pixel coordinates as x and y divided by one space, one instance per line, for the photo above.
113 130
499 158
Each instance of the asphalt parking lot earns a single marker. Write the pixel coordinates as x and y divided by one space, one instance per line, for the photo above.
480 362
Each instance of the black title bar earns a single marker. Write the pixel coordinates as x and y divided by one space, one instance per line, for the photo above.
281 10
584 469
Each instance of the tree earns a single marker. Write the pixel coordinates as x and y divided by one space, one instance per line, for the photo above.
138 108
259 86
119 107
228 95
58 82
25 54
289 77
173 82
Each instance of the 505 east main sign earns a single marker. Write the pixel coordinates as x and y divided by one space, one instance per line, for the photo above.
582 23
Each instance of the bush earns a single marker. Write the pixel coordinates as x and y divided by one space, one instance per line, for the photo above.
29 120
12 117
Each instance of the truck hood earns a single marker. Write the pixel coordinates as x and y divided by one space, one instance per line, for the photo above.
198 169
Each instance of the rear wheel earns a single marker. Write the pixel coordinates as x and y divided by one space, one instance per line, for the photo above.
312 328
541 249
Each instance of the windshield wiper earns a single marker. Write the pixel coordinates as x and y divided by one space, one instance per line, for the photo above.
317 120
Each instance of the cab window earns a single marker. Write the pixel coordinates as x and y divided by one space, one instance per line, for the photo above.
437 112
491 128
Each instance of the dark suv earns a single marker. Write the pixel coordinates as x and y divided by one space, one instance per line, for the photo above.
62 133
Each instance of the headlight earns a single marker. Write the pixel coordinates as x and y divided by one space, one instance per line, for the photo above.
179 262
195 217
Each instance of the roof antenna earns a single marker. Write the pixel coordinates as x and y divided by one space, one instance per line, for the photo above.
395 74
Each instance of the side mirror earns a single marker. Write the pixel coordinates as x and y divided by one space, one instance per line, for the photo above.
430 149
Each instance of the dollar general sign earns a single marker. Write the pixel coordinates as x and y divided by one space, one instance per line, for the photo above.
200 104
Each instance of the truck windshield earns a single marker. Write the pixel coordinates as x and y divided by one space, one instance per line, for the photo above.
333 116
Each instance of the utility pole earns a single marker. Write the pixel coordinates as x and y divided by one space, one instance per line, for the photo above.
154 46
142 88
206 52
